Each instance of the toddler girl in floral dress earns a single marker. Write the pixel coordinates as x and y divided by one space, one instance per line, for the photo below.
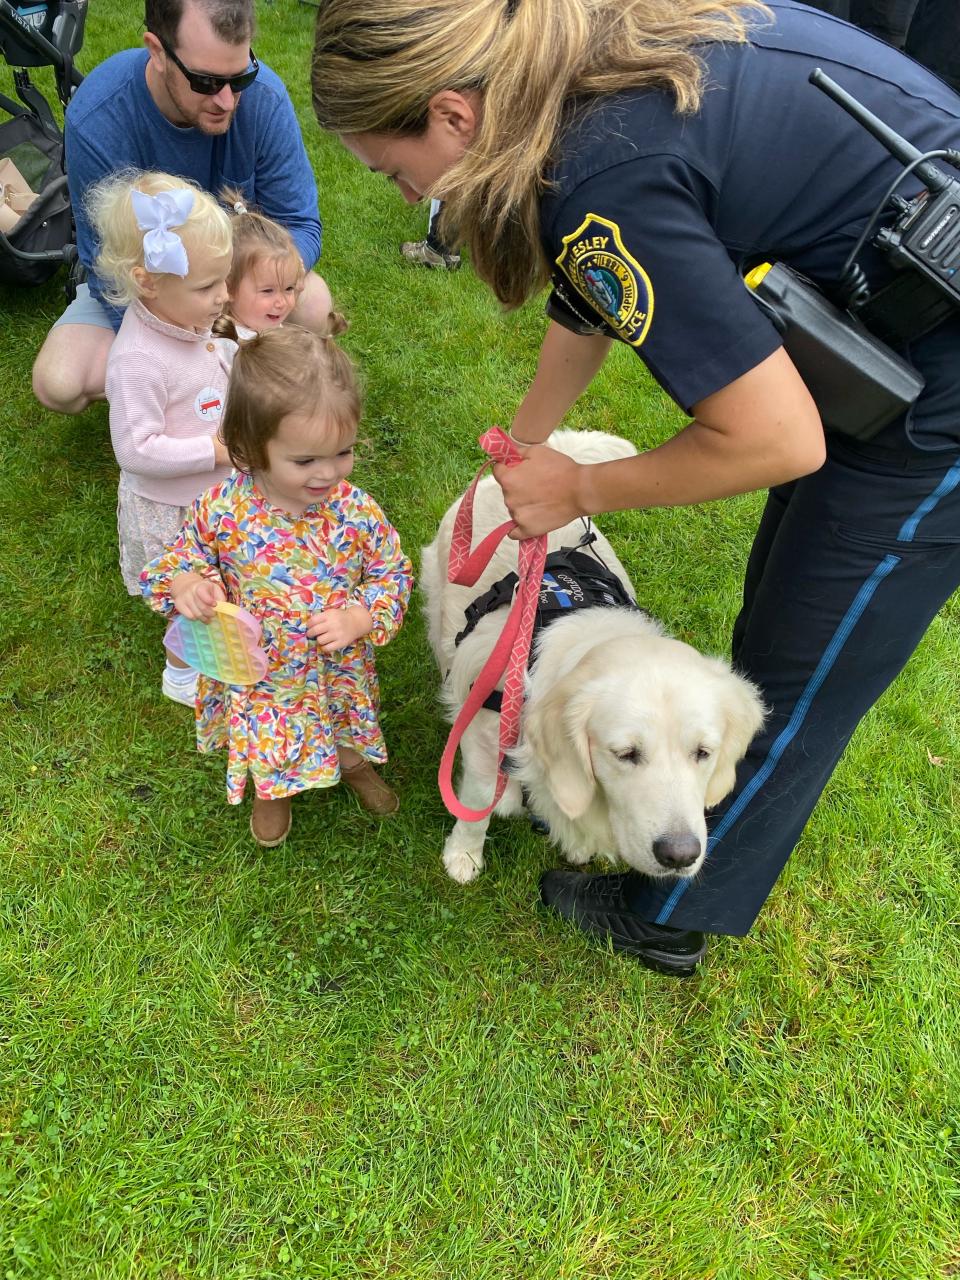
289 539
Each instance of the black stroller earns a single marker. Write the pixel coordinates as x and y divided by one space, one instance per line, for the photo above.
34 34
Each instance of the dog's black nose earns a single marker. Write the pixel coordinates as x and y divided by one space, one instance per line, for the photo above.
677 852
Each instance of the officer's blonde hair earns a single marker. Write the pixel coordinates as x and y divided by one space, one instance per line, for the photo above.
110 210
376 67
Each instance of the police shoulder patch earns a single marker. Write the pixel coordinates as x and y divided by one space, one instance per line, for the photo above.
597 264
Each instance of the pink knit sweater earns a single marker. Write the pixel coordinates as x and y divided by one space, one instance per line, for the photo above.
166 387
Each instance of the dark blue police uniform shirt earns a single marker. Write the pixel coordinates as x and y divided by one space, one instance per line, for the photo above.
653 216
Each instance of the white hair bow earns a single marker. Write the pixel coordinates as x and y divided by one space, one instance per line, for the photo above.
163 250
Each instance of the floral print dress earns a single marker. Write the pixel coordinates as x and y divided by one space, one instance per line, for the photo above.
282 568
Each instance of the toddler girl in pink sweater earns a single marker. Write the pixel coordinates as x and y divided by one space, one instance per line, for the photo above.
165 253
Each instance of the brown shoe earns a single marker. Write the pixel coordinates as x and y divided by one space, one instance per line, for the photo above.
370 789
270 821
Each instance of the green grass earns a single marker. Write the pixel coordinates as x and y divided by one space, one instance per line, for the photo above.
330 1061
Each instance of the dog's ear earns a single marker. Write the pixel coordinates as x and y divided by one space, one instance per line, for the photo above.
743 713
556 732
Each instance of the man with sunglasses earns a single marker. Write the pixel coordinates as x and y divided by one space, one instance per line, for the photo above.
194 102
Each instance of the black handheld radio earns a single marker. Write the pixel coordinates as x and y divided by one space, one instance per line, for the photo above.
844 353
923 243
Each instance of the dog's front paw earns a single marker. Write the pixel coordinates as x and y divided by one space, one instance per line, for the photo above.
578 857
462 859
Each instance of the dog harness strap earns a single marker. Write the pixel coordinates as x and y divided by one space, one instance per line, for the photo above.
572 580
512 649
499 596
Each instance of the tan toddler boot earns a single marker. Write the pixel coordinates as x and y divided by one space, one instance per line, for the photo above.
369 788
270 821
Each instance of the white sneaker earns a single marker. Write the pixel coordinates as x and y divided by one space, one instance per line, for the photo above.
184 691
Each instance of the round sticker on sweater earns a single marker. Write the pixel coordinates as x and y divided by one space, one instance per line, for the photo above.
208 405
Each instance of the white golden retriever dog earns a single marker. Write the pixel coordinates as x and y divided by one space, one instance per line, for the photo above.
627 735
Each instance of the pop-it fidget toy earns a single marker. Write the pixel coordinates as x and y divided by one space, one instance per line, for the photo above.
227 648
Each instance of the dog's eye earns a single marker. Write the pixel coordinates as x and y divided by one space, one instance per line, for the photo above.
701 753
633 756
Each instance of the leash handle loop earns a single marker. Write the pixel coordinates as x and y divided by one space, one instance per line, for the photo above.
513 647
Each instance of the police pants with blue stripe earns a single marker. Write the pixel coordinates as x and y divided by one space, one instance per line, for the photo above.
848 568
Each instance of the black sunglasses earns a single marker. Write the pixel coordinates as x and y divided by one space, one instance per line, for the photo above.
208 85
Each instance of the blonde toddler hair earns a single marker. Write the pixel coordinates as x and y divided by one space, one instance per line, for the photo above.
257 238
121 241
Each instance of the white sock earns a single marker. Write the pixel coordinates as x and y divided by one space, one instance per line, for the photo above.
180 675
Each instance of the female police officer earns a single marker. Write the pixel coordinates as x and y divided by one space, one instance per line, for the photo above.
642 154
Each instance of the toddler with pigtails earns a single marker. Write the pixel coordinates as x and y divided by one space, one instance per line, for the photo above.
288 538
266 275
165 254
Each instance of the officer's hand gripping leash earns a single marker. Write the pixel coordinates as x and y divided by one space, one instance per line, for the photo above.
512 649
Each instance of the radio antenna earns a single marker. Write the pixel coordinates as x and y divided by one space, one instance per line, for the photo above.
934 179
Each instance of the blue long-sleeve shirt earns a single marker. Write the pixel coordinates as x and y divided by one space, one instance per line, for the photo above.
113 123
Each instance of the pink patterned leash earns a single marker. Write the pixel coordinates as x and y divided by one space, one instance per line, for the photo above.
513 648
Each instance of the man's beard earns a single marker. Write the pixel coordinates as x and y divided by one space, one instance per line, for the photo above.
199 119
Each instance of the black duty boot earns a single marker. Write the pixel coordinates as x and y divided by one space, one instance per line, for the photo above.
599 905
